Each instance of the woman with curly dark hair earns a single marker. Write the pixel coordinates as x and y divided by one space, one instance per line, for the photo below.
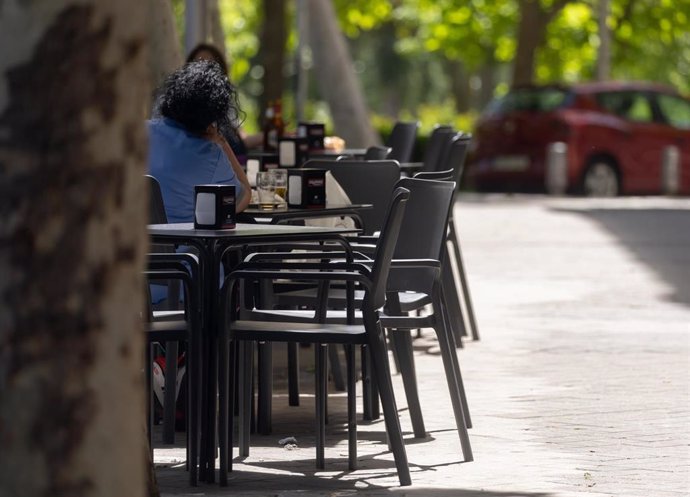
238 139
197 104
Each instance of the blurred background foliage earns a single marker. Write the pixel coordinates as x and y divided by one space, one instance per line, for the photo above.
441 61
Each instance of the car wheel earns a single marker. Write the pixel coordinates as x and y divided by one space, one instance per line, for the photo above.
600 180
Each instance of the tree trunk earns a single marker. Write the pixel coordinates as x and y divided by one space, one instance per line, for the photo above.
215 27
604 50
487 73
336 78
272 51
73 90
165 44
459 84
531 35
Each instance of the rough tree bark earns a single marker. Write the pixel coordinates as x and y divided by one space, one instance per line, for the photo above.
272 51
531 35
166 55
336 79
73 90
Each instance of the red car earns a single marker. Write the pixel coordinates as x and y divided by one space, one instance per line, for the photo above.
604 139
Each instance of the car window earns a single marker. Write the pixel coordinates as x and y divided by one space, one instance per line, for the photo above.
630 105
676 110
530 99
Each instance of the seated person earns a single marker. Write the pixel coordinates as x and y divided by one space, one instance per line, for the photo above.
239 141
186 144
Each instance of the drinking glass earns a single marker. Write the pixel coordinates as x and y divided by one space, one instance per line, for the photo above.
266 188
280 176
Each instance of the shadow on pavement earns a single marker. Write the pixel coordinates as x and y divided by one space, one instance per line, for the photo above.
659 238
269 482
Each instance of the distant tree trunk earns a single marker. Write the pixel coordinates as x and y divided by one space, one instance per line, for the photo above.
531 35
74 82
336 78
165 44
459 84
487 73
604 50
272 51
215 27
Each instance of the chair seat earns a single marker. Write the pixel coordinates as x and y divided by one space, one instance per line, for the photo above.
340 317
175 315
167 331
281 331
409 301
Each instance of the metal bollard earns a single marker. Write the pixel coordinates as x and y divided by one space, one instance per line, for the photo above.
670 170
556 177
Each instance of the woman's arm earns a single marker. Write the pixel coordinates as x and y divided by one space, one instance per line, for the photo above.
213 135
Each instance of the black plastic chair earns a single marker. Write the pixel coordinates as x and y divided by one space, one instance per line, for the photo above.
364 182
377 152
417 269
402 141
415 279
457 154
184 327
437 148
373 278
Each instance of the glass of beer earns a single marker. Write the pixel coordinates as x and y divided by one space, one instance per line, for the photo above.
280 186
266 188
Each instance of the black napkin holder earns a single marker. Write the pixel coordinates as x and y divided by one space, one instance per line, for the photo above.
214 207
314 133
307 188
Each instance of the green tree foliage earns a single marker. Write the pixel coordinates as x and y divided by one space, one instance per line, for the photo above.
414 56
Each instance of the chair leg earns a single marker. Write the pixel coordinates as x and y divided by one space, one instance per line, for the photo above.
245 396
193 410
169 407
463 281
450 288
370 395
366 383
402 344
453 378
351 407
149 395
293 374
336 368
382 376
461 385
223 401
320 402
265 401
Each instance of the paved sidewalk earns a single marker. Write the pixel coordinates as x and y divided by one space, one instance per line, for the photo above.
580 384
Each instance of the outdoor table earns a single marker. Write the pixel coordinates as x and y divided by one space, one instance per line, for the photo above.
286 214
313 154
211 245
334 154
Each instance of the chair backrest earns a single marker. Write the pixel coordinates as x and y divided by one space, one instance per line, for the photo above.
426 218
377 152
365 182
457 153
156 207
402 140
446 175
386 247
437 147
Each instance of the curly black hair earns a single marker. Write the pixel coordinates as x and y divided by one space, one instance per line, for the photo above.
197 95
